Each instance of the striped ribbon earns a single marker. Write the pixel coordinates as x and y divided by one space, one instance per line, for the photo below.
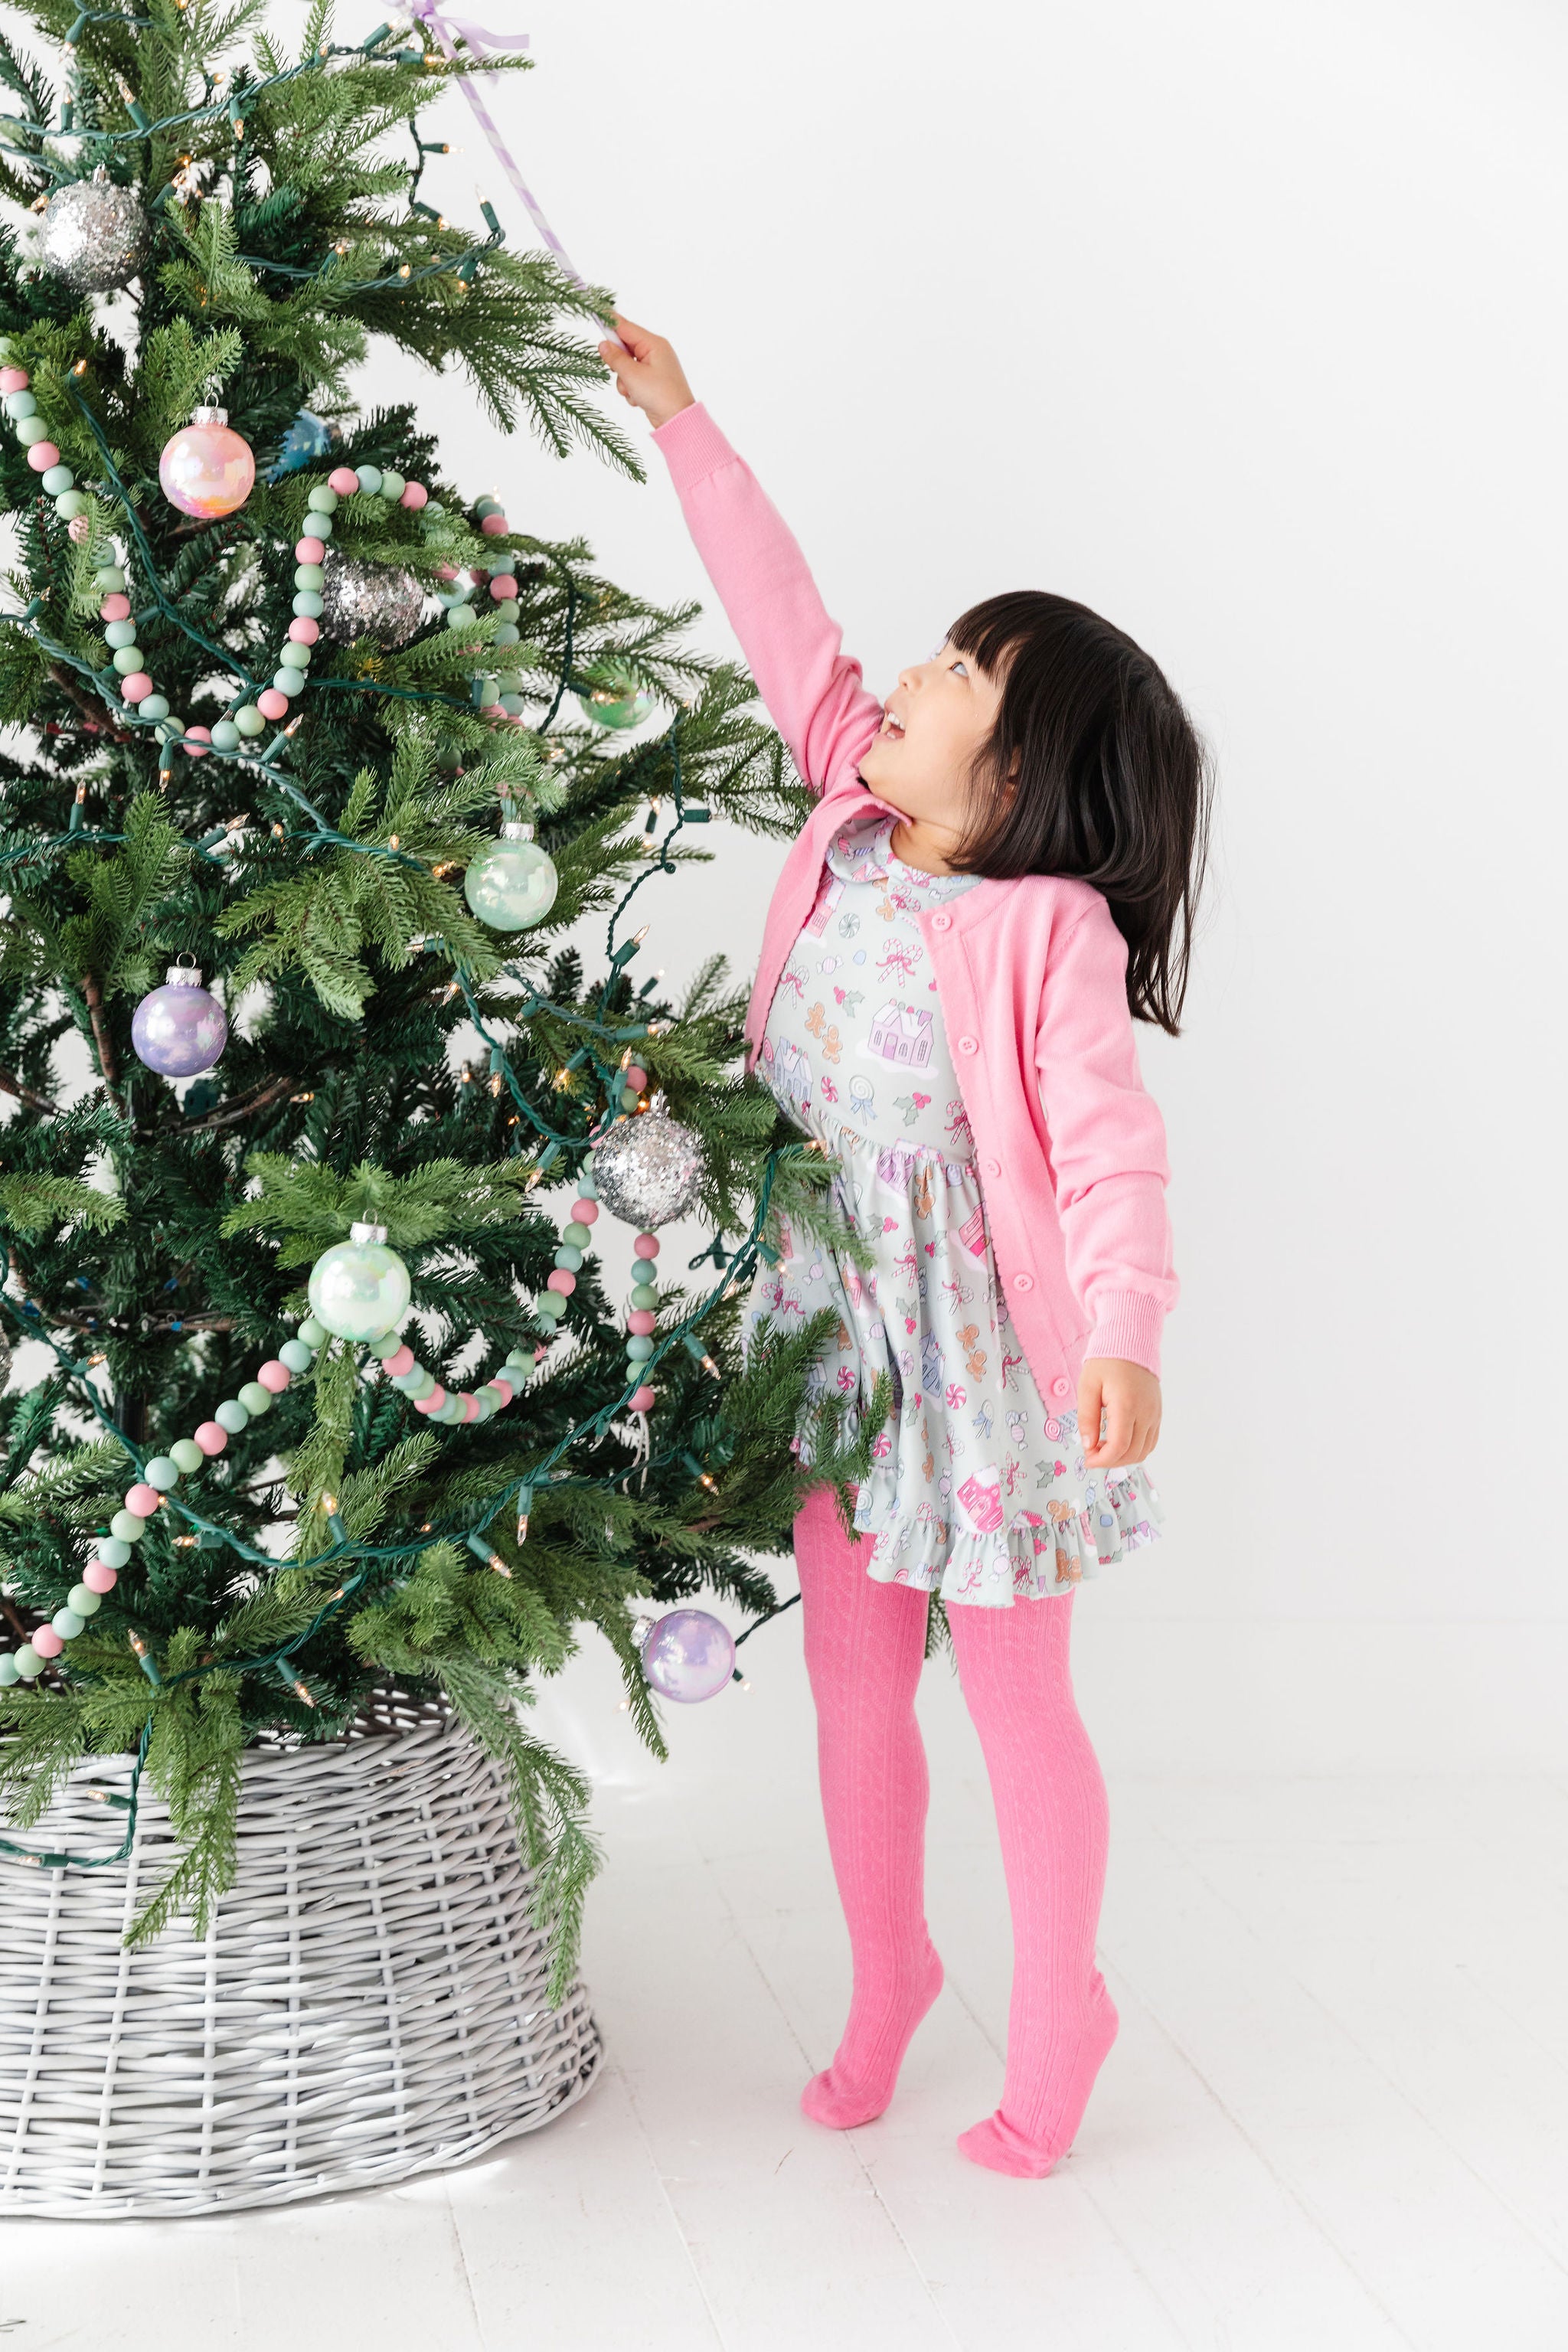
481 41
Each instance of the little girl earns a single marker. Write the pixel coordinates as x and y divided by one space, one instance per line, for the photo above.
998 877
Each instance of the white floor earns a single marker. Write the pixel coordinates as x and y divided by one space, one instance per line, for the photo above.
1337 2113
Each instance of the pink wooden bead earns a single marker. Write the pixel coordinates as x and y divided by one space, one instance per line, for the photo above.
271 704
196 741
495 527
79 527
14 379
642 1322
503 585
133 687
646 1246
274 1376
470 1408
42 456
344 480
634 1078
47 1642
585 1212
115 608
142 1499
563 1282
310 550
212 1437
642 1400
303 630
541 1352
433 1402
503 1388
395 1366
98 1576
414 496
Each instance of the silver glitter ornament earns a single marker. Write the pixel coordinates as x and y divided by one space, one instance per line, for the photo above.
370 600
648 1169
94 235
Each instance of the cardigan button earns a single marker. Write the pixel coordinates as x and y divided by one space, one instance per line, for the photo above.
969 1045
942 922
1060 1387
992 1167
1023 1281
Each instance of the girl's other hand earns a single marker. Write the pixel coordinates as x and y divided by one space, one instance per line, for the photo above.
1128 1394
646 373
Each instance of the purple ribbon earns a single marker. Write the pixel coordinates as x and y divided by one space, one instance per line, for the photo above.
481 40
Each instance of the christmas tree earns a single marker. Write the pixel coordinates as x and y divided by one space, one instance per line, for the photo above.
318 763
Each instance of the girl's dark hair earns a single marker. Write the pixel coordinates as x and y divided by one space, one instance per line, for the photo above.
1113 784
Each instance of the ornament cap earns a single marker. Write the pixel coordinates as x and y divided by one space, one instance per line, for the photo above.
207 414
367 1233
516 829
181 975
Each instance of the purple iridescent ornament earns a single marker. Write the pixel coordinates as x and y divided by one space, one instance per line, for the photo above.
689 1655
181 1028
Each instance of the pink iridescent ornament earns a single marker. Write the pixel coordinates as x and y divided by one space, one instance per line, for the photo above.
689 1655
207 469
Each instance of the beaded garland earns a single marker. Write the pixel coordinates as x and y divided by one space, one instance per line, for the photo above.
246 720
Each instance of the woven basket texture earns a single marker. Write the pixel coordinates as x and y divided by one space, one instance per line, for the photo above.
370 2003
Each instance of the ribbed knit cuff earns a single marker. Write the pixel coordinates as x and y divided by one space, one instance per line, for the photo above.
1127 1323
692 445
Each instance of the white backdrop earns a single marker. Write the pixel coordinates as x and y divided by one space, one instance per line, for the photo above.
1244 324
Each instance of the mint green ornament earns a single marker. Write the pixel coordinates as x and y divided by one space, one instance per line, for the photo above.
513 885
295 1356
231 1415
8 1673
127 1527
67 1623
187 1457
85 1604
623 703
113 1550
359 1288
27 1662
162 1472
255 1399
314 1334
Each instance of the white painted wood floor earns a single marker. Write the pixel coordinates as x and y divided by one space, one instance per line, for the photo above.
1337 2113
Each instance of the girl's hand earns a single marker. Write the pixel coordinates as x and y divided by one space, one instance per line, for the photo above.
1129 1396
646 373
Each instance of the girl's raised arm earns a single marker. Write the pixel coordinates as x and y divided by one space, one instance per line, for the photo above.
812 690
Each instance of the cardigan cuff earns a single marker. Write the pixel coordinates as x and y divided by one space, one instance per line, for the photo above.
693 445
1127 1323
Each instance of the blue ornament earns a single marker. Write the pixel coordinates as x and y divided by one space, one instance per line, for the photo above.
307 439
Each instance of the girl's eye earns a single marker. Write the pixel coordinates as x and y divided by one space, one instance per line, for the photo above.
958 664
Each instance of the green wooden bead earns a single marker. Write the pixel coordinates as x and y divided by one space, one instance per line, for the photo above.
550 1305
162 1473
8 1673
322 497
119 633
30 429
69 503
310 575
249 721
155 706
255 1399
460 616
287 680
307 604
225 736
578 1235
392 485
296 657
314 1334
507 609
85 1604
67 1623
58 480
127 1527
640 1350
387 1345
568 1259
369 477
231 1415
644 1296
108 579
127 658
295 1356
27 1661
21 404
113 1550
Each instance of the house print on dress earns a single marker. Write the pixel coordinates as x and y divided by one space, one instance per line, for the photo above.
828 897
901 1034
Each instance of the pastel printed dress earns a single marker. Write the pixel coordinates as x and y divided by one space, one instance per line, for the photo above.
976 1491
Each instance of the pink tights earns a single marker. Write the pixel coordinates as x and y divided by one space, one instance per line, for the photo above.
864 1646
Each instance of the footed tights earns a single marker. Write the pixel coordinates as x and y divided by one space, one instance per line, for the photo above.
864 1646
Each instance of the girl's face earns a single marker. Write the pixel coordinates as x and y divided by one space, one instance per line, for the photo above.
935 720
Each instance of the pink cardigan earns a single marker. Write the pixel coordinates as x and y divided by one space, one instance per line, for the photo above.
1030 974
